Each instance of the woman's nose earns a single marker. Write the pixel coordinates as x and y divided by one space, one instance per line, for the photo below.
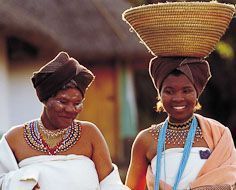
178 97
70 108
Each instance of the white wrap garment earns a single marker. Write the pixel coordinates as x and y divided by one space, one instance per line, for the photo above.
72 172
170 162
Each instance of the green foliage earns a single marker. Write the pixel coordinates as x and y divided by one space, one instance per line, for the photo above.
225 50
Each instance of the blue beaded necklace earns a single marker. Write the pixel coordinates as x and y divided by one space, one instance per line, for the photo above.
187 149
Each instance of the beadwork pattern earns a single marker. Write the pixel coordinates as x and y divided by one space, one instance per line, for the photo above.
181 126
50 133
174 136
34 138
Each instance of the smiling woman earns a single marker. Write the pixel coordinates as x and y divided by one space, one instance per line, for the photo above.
57 145
178 99
187 150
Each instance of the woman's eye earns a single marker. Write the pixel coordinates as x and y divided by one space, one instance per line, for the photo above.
79 105
61 101
168 91
186 91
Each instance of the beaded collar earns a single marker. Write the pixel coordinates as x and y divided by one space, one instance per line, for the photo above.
35 137
176 135
185 125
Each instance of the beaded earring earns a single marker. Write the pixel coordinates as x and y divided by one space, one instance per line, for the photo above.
159 106
197 106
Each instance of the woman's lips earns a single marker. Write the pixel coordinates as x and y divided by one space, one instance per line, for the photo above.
179 107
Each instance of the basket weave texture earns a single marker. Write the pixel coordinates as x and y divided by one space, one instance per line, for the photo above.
180 28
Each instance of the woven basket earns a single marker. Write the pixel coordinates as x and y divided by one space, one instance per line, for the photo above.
180 28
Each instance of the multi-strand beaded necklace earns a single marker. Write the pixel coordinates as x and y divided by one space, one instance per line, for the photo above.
176 133
51 142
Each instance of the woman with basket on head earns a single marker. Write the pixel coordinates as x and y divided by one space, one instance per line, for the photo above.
187 150
57 151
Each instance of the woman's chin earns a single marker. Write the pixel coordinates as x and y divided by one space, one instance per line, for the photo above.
65 122
180 117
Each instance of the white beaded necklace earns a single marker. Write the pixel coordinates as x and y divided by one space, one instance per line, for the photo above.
50 133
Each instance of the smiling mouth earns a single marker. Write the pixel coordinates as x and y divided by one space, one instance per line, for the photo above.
179 107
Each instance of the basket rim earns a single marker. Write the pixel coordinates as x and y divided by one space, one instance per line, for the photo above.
167 5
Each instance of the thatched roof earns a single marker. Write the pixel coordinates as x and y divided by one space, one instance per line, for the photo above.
88 29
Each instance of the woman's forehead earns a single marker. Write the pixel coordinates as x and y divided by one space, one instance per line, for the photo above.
70 93
177 80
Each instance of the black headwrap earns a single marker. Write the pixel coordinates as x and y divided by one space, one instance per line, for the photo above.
196 69
57 73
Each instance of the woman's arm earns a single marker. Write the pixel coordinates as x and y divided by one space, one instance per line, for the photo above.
136 176
100 155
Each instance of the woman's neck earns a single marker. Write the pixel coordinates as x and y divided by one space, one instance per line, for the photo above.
180 125
46 122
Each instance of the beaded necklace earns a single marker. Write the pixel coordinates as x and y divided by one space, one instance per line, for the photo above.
51 137
176 134
185 156
182 126
36 139
50 133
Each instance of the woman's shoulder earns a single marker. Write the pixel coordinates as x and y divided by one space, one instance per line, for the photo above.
147 136
15 135
14 131
148 132
87 125
89 128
